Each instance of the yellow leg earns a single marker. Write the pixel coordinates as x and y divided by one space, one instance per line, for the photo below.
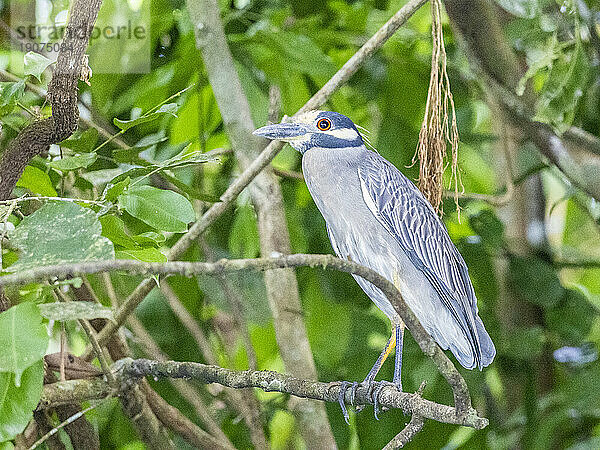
382 357
397 333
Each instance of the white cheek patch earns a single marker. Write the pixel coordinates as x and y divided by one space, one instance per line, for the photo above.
348 134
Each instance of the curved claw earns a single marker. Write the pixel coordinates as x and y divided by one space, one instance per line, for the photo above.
370 385
375 397
377 392
353 392
341 400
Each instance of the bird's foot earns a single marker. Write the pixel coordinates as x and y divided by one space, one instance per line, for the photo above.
353 392
344 386
375 389
342 400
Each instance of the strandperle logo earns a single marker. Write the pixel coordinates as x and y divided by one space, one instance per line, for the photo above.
119 42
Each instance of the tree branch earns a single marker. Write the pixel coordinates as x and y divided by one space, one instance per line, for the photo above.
462 398
128 370
497 64
407 434
62 94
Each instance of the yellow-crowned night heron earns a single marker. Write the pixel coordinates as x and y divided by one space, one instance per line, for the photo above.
377 217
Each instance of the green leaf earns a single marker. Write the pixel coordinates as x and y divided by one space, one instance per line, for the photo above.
74 162
10 94
37 181
545 60
130 155
114 229
81 141
572 318
17 401
59 233
35 64
526 9
63 311
169 108
161 209
535 281
149 254
23 339
149 238
114 190
183 159
299 51
563 88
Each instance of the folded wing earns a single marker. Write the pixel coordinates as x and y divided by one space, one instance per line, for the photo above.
401 208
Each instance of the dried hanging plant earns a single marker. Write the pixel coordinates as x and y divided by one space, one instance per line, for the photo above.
438 127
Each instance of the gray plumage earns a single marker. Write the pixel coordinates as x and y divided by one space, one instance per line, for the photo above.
377 217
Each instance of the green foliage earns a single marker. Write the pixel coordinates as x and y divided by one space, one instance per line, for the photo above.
572 318
37 181
74 235
17 401
81 141
148 254
170 108
563 89
528 274
23 338
74 162
10 94
527 9
161 209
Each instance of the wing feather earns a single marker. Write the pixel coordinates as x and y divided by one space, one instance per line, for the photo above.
401 208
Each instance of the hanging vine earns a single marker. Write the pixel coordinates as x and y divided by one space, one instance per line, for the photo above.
439 124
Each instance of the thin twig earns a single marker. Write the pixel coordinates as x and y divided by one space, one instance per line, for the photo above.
407 434
71 419
54 199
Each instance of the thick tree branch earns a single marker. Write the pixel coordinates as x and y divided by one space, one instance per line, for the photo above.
62 94
128 370
462 398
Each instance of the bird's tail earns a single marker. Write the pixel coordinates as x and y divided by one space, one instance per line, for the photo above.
486 346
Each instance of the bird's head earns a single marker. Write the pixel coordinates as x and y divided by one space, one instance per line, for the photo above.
315 129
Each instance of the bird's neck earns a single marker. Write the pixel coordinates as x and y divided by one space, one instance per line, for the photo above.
329 163
335 155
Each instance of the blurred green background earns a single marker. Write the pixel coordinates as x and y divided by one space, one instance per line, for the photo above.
534 260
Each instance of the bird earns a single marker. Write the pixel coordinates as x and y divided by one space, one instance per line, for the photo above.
377 217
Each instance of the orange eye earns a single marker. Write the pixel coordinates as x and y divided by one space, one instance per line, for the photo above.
324 124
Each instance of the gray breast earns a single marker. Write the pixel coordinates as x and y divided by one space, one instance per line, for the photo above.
332 179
